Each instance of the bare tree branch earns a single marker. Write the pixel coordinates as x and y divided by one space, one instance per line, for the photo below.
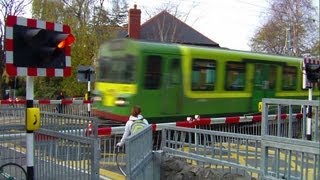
288 14
8 7
168 32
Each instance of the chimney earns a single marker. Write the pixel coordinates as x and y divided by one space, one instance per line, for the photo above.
134 23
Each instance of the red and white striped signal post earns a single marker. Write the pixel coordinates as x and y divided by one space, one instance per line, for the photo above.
36 48
311 77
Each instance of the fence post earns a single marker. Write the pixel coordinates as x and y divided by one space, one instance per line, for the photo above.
95 149
157 160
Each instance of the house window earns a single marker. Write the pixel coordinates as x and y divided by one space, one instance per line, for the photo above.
153 72
203 75
235 76
289 78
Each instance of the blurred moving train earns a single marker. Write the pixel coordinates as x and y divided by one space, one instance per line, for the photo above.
173 81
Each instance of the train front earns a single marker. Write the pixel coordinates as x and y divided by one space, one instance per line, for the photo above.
115 85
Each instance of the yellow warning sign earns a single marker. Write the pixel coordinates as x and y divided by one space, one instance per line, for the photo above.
33 119
260 106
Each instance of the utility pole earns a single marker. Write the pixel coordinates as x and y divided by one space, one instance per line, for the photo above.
288 43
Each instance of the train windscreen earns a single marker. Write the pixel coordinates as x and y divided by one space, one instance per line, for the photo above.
116 70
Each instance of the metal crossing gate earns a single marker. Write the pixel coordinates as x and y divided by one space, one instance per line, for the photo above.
139 155
281 152
61 148
64 148
285 156
12 143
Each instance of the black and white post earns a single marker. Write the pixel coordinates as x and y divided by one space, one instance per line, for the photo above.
86 74
89 93
309 116
29 134
311 75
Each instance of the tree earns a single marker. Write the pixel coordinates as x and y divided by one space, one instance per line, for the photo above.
266 40
8 7
166 32
291 23
91 23
119 12
11 7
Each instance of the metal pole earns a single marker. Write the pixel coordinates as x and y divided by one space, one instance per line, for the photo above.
289 50
89 104
30 135
14 88
309 116
89 95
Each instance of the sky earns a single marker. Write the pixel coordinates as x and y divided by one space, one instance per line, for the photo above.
230 23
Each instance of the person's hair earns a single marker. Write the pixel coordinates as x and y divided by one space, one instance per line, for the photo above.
135 111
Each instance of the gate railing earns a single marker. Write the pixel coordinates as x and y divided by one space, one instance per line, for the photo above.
62 150
224 147
139 155
285 156
278 153
222 151
12 142
65 156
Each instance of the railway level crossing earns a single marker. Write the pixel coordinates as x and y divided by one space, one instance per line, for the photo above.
62 143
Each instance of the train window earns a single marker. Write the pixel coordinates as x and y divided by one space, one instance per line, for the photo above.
235 76
153 72
203 75
118 69
175 71
272 77
103 67
289 78
264 76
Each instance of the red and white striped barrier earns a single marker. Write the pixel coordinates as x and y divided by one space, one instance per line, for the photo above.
47 101
107 131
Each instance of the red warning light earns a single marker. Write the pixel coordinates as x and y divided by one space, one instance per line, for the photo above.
66 42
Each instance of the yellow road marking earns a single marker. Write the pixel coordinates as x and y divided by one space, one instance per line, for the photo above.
69 164
240 158
111 175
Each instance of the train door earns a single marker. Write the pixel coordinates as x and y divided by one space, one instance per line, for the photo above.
171 87
264 80
159 93
150 94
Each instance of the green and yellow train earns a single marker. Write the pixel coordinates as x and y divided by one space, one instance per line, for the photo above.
173 81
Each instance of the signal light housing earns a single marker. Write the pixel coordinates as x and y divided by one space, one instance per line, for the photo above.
311 72
37 48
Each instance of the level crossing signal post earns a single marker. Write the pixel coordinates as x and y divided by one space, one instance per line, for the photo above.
36 48
86 74
311 77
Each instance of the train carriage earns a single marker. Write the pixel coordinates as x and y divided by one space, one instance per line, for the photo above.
173 81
